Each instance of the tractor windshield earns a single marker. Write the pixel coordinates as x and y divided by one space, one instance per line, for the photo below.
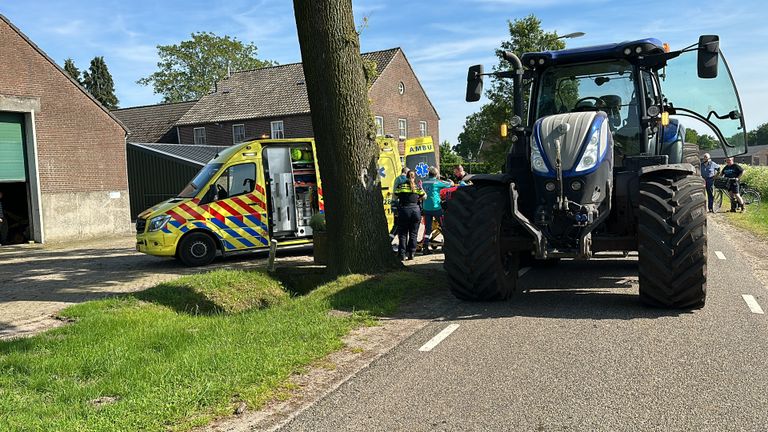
715 99
605 86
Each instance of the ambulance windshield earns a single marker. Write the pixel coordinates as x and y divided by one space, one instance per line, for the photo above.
201 179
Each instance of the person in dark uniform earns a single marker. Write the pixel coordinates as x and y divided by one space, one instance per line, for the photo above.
409 195
3 223
733 172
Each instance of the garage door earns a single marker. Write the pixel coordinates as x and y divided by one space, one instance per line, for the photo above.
12 167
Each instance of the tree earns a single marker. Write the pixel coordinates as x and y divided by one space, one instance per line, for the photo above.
190 69
526 35
72 70
98 81
448 155
759 135
346 149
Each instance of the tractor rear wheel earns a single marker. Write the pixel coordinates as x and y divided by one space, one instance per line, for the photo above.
672 240
691 156
479 268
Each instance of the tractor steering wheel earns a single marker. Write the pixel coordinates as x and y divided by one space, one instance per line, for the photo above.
596 107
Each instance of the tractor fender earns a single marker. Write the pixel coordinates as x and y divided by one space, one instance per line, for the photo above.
681 167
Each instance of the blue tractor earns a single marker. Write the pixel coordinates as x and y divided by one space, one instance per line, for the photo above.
595 164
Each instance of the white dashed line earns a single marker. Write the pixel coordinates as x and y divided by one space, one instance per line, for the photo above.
752 303
439 338
523 271
720 255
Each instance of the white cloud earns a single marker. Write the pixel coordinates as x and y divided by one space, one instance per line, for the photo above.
69 28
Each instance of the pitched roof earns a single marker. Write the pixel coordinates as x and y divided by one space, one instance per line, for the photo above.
62 71
150 123
265 92
192 153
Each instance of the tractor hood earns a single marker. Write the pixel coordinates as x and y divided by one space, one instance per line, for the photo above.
579 140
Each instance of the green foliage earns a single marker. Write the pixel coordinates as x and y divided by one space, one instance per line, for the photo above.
759 135
189 69
705 142
756 177
141 362
482 127
72 70
98 81
448 155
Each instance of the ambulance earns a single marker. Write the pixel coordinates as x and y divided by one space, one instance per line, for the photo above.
249 194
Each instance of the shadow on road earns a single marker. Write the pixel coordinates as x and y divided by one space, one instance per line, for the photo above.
600 289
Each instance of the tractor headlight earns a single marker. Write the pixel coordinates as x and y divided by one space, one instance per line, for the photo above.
537 161
593 152
158 222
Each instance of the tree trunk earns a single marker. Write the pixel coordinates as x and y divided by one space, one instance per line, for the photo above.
348 156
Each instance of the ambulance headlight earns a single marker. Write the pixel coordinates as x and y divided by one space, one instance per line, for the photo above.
158 222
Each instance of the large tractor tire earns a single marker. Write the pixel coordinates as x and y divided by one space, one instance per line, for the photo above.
478 267
672 240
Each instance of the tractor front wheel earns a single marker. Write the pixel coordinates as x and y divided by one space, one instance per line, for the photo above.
672 240
478 265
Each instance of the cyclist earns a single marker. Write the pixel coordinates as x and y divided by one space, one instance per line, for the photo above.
733 172
709 170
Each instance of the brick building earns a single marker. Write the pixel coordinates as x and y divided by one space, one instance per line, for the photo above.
272 102
62 154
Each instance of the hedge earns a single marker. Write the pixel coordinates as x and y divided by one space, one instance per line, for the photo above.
756 177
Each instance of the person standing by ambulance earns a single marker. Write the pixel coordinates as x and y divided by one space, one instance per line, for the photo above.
432 208
402 178
409 195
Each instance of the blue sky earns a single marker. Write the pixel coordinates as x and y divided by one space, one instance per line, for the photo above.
440 38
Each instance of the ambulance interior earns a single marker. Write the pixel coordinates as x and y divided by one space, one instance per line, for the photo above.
291 176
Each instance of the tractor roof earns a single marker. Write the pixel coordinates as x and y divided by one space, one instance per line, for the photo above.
594 53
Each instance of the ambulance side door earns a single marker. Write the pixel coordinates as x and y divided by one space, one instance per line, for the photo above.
238 209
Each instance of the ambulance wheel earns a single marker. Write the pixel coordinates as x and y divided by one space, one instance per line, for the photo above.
197 249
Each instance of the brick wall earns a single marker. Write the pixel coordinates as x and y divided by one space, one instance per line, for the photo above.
299 126
413 105
80 147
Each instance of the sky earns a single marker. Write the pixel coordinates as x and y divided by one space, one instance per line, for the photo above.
440 38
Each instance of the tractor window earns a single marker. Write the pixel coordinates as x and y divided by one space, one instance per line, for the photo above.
605 86
714 98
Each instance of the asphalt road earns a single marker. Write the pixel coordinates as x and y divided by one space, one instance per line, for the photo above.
577 352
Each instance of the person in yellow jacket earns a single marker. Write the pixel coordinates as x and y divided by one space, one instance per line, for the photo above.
409 195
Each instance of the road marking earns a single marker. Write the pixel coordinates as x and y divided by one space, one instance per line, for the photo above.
439 338
720 255
523 271
752 303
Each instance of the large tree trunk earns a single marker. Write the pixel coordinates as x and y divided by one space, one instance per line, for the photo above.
348 156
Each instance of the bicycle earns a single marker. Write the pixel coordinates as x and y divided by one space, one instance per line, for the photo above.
750 195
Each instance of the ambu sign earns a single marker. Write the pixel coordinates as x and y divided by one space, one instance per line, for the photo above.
12 166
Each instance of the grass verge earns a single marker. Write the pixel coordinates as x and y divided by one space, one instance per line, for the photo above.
181 353
755 220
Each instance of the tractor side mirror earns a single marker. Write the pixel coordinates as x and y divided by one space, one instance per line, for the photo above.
709 56
474 83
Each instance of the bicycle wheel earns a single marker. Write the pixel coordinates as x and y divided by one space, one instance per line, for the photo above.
718 202
751 196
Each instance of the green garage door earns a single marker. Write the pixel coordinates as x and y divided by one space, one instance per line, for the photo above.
12 167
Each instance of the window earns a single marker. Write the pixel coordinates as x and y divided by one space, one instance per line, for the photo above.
238 133
379 126
401 88
236 180
402 125
199 134
278 130
422 128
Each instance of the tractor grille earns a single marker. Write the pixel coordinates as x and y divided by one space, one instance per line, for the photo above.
141 225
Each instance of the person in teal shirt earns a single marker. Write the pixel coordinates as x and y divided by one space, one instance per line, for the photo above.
432 208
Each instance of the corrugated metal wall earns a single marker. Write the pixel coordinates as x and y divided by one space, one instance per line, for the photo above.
153 178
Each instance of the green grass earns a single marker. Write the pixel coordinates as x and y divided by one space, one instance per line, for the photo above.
184 352
755 219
